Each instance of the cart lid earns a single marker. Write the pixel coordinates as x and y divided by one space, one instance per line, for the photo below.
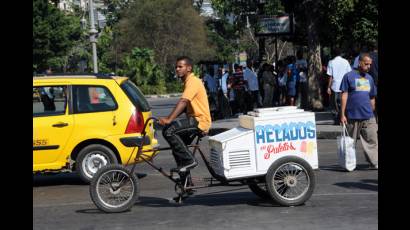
231 134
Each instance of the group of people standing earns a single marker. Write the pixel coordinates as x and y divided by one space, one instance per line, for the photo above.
244 88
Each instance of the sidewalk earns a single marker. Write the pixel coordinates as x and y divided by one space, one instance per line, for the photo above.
325 128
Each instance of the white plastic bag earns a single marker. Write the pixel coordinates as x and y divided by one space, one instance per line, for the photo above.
346 150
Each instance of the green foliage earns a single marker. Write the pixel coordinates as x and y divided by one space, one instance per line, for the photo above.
344 23
233 37
54 34
365 22
223 36
170 27
140 67
114 10
106 59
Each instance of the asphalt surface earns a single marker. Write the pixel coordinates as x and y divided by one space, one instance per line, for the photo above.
341 200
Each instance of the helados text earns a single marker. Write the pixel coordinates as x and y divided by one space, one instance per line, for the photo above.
285 132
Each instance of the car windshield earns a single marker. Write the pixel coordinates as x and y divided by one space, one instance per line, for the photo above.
135 95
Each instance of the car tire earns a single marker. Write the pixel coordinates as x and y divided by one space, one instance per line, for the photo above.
93 157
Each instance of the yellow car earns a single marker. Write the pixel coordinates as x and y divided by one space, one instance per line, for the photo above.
83 122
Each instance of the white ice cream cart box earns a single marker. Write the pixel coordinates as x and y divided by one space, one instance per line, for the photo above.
263 137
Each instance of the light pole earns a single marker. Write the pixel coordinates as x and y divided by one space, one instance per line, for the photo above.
93 40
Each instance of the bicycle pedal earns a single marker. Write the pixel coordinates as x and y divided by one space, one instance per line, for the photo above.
141 175
177 200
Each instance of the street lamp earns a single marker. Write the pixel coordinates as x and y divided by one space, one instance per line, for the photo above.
93 40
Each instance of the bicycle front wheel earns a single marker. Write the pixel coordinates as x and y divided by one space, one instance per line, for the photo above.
114 189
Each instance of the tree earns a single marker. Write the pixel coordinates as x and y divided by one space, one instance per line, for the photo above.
114 10
319 23
169 27
54 33
343 23
140 67
107 61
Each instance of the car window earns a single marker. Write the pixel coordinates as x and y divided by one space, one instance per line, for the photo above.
136 96
89 99
49 100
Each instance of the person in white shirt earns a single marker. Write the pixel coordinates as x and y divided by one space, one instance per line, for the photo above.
224 82
253 87
336 69
224 98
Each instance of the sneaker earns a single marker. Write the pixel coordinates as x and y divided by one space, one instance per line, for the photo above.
184 168
374 167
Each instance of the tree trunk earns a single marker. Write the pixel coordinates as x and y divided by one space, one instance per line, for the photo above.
314 61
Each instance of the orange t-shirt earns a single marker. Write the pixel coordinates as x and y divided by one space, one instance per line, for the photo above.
195 92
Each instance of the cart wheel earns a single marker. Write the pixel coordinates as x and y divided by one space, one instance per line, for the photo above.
290 181
260 188
114 189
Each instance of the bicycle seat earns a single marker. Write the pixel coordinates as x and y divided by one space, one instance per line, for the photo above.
202 134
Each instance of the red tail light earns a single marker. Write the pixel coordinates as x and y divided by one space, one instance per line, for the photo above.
136 123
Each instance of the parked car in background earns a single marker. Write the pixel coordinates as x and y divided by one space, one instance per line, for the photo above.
83 122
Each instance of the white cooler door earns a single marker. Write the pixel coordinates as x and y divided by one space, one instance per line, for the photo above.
276 138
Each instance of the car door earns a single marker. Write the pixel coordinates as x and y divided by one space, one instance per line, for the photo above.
52 125
94 109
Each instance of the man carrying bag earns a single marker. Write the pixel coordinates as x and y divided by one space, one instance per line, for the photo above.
358 106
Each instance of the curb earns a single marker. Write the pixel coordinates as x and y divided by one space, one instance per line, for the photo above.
164 95
327 135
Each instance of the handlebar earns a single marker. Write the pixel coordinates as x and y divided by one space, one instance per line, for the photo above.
156 121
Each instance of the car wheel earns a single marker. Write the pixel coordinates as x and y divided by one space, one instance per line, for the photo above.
93 157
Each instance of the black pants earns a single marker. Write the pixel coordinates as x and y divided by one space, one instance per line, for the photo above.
254 98
224 107
240 99
179 134
303 92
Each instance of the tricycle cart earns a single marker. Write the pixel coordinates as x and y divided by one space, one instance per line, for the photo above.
284 175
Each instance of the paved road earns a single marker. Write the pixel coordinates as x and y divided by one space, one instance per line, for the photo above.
341 200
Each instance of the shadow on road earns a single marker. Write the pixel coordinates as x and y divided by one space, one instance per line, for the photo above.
94 211
371 185
57 179
337 168
212 199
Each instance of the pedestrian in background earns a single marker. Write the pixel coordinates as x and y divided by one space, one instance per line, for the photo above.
336 69
260 82
231 93
253 87
282 79
292 81
357 107
364 49
268 83
239 86
211 89
225 109
301 66
374 70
